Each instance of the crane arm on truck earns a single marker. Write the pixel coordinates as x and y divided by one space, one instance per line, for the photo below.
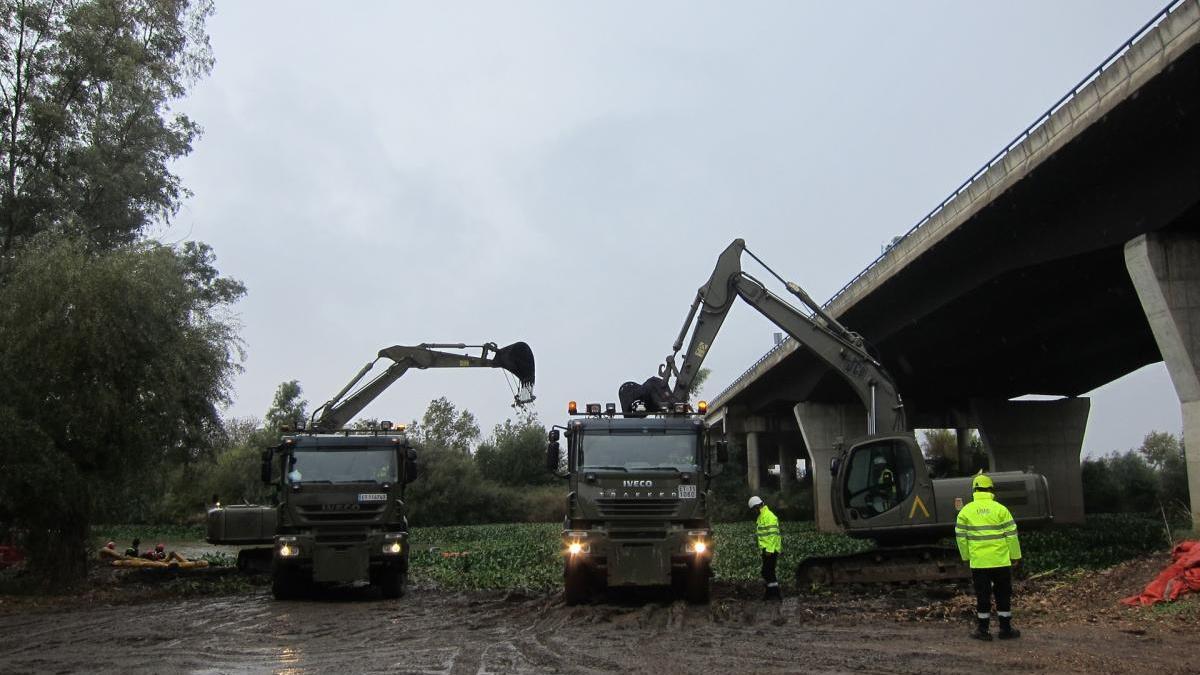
516 358
841 349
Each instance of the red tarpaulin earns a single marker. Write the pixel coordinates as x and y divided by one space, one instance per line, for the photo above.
10 555
1181 576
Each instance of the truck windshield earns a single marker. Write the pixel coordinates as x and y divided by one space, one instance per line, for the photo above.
639 450
342 466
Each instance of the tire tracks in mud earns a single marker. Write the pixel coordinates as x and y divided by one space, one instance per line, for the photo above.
434 632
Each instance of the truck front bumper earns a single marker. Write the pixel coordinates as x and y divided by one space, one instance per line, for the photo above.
637 558
341 561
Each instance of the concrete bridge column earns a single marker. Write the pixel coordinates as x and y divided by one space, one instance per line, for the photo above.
787 466
1045 435
824 426
1165 269
753 462
964 451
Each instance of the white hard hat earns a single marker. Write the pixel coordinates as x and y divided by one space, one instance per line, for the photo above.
754 501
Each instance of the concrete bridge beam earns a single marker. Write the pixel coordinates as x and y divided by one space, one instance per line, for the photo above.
1165 269
825 426
1044 435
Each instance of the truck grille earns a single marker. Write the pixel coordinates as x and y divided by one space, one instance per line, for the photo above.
365 513
637 508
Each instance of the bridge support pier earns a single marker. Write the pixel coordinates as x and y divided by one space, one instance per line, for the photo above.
1165 269
787 467
823 427
1045 435
753 462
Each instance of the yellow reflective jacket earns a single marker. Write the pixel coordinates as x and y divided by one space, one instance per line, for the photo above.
986 533
768 531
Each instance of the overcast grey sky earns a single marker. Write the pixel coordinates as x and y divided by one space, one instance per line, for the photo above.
565 173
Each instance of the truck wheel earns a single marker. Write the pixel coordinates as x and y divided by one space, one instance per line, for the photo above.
285 584
698 584
575 584
391 583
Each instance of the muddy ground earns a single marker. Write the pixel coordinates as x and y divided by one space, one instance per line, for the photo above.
1071 625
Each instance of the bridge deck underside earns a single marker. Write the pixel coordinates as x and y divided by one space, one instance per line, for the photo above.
1031 294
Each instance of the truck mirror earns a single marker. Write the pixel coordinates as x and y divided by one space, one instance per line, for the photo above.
412 470
552 455
834 465
266 466
722 452
553 435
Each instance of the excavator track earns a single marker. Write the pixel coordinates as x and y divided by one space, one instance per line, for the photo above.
885 565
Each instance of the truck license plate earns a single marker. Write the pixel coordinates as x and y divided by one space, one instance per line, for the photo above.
373 497
687 491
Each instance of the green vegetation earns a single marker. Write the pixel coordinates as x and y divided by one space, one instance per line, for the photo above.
529 556
118 350
1105 539
1149 479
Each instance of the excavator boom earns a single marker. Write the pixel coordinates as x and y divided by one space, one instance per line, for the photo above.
516 358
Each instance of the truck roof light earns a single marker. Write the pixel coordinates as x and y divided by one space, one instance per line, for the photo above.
572 408
610 409
680 407
702 407
593 408
400 427
385 425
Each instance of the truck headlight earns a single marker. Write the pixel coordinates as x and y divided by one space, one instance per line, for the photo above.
393 543
697 542
288 548
575 542
697 546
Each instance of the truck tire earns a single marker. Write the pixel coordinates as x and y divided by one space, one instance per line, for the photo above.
286 583
391 583
698 584
576 582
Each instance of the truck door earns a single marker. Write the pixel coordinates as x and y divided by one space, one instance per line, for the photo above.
883 483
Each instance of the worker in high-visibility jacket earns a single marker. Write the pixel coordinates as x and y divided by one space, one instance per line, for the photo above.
987 537
770 543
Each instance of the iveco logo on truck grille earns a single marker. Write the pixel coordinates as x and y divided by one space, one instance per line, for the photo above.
638 483
339 507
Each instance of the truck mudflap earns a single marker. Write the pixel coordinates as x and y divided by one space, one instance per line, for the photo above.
884 565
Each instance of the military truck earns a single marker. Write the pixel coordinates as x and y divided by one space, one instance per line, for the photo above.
637 511
339 514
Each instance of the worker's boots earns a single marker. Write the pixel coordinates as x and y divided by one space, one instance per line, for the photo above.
1007 632
981 630
772 593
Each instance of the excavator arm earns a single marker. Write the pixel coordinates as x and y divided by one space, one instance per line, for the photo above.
516 358
828 340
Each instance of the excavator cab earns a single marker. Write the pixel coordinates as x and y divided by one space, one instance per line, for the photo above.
880 482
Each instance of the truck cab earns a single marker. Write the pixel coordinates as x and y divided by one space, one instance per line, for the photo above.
637 515
341 509
339 515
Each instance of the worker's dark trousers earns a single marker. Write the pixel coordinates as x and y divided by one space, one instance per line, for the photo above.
769 561
988 580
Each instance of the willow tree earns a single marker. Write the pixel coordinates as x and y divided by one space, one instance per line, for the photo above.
87 133
115 364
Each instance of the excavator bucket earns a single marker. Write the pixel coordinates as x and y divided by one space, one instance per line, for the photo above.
517 359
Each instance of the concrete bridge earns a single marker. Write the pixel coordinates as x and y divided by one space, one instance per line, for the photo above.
1069 260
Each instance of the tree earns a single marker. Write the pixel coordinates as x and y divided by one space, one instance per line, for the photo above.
287 408
86 131
516 453
114 364
697 384
444 427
